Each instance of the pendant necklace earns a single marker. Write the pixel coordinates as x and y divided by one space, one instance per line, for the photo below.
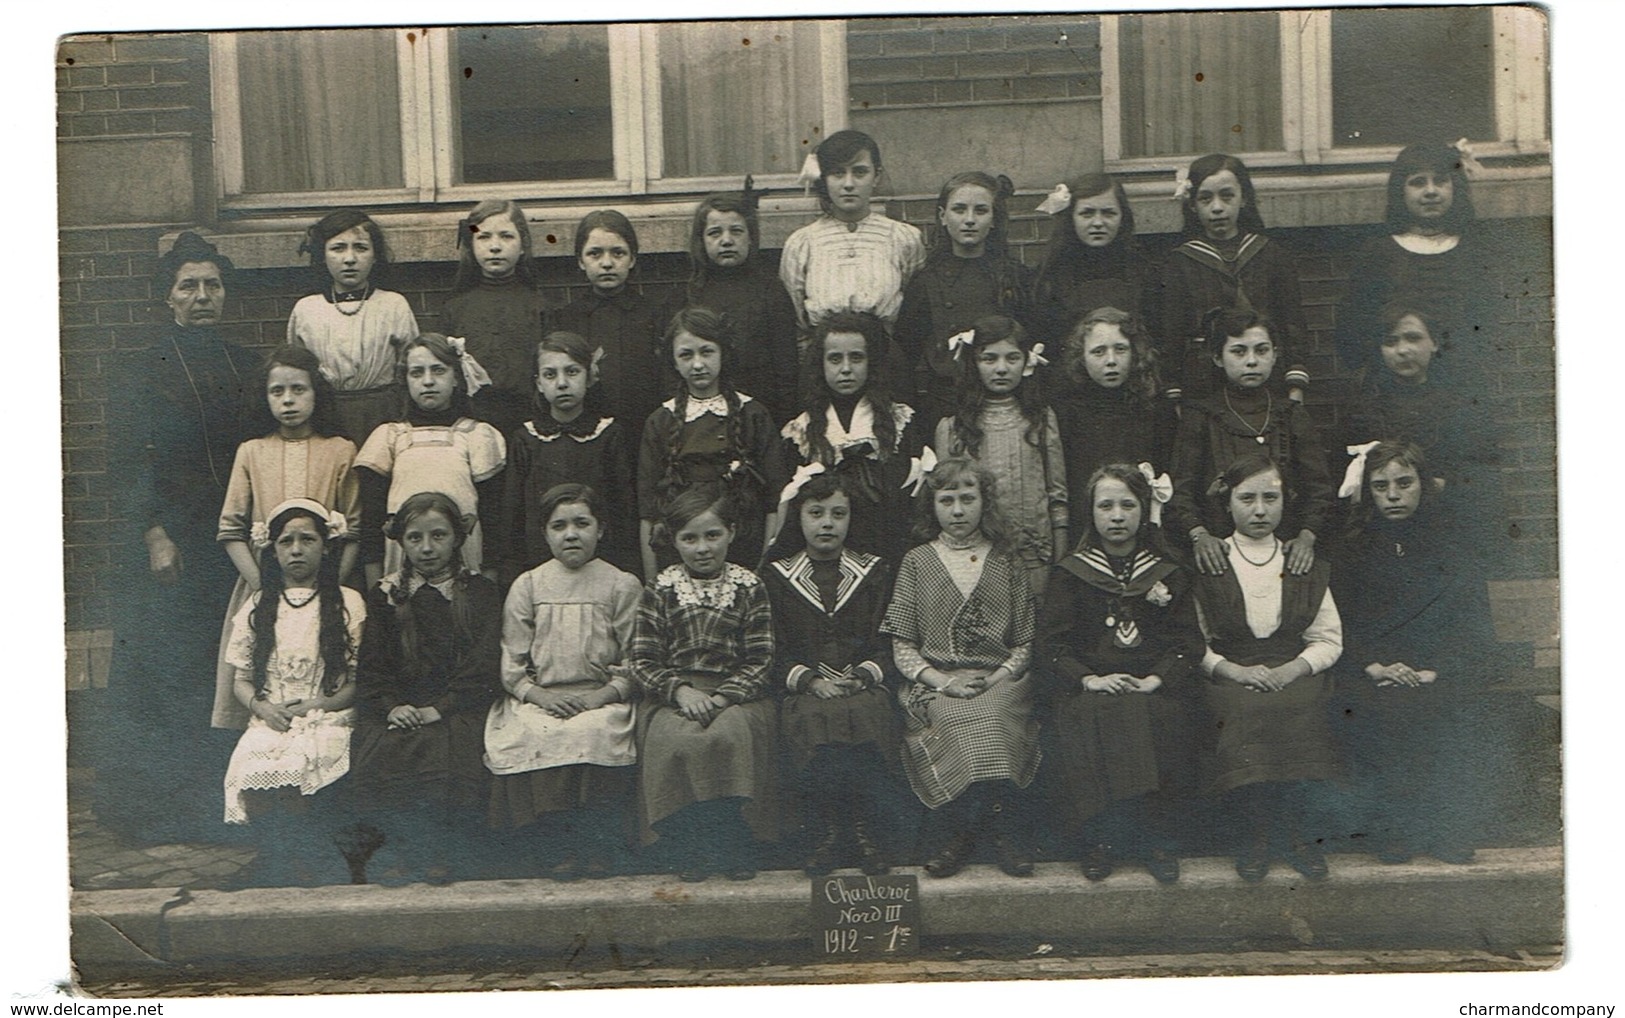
1269 406
359 302
1122 576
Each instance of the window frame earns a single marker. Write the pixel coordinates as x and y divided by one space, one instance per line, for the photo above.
430 125
1518 77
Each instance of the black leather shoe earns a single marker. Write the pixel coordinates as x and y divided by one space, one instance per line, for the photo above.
741 871
1254 861
951 858
565 870
694 873
871 860
1395 852
825 854
1456 855
1097 864
1163 866
1307 859
1012 856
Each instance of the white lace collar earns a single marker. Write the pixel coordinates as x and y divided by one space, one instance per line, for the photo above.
843 438
719 591
603 425
694 409
391 583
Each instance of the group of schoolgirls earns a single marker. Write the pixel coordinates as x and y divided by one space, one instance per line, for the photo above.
790 584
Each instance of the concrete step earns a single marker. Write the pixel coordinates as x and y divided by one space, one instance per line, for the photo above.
1508 900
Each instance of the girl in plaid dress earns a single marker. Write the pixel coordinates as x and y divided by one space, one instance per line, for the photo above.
702 649
962 626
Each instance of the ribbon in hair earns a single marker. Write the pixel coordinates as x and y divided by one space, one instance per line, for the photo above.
750 196
1471 168
1350 488
593 368
475 376
259 535
960 340
1182 184
918 467
803 474
810 173
1056 201
1162 489
1035 359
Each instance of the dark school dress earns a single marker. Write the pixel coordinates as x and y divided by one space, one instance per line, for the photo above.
543 453
628 327
1280 736
829 613
170 453
1100 426
1457 431
1250 271
882 500
1454 288
757 308
1120 277
946 297
1428 758
1214 434
501 320
705 455
1136 616
427 645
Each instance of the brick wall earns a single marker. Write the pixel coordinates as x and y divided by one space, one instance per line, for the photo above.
965 61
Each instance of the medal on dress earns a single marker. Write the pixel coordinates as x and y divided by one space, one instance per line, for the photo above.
1259 439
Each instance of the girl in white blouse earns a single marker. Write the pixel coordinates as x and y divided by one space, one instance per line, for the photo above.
1271 635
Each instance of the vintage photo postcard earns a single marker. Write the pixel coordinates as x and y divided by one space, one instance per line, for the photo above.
866 499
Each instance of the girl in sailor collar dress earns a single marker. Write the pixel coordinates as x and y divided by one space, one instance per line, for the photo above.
1118 639
839 731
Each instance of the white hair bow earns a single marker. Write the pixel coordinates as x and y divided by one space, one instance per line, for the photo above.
337 525
918 467
1350 488
1471 168
810 172
1182 184
474 376
803 474
1162 489
1035 359
1056 201
960 340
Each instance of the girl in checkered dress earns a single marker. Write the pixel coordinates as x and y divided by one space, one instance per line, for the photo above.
702 649
962 626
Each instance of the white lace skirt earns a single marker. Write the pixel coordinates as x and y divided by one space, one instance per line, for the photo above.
313 753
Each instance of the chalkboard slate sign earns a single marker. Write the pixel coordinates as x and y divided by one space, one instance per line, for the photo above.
866 916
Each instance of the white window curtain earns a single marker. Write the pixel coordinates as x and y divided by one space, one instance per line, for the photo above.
739 97
1196 83
320 110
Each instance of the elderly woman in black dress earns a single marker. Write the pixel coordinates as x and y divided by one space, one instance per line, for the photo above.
173 429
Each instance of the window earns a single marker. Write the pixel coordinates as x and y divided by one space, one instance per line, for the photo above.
449 115
1307 87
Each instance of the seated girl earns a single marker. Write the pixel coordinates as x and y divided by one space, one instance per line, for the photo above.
560 742
832 661
1419 648
702 650
1118 639
961 622
427 673
1271 636
293 645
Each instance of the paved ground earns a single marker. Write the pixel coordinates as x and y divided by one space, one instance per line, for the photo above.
451 977
99 861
